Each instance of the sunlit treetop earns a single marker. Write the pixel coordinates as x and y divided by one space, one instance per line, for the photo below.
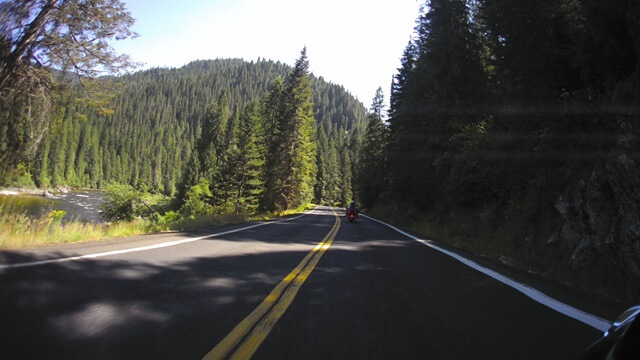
66 35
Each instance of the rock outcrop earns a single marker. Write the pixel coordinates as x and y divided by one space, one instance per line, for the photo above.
601 228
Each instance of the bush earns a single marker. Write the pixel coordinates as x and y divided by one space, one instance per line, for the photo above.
196 201
169 218
19 177
122 203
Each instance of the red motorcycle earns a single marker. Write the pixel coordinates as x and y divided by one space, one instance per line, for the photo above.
352 215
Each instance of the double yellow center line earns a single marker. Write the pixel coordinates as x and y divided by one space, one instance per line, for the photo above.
247 336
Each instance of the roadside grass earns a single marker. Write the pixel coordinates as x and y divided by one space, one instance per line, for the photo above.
18 230
466 234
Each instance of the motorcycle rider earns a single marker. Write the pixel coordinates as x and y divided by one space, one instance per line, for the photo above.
352 207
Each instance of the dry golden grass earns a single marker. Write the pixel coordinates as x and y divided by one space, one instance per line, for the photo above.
17 230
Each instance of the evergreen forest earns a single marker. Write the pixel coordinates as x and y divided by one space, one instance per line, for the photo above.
512 132
209 113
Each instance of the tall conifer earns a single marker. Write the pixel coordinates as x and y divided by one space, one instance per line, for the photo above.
249 161
372 175
293 147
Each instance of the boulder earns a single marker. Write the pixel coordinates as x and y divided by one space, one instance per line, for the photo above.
601 216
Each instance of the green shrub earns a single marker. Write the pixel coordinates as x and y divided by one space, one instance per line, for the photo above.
169 218
121 203
19 177
197 200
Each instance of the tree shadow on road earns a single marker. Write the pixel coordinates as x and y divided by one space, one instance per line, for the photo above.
380 297
121 309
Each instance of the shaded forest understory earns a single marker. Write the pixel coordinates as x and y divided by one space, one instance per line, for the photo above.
513 129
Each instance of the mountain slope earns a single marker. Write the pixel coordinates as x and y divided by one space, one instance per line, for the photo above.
148 139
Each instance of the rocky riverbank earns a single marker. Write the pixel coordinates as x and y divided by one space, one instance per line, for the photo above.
78 204
47 192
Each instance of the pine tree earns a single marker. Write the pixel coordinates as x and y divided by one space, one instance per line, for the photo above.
73 129
272 111
377 105
40 167
249 161
372 175
214 122
211 146
95 162
399 83
346 195
354 145
190 177
298 132
441 84
320 187
333 172
157 171
230 152
58 153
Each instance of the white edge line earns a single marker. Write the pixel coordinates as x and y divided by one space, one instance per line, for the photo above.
145 248
538 296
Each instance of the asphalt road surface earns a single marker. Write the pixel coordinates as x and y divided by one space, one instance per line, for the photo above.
310 287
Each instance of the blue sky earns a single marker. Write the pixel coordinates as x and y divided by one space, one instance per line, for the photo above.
354 43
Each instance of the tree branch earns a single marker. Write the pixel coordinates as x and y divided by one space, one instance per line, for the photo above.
27 39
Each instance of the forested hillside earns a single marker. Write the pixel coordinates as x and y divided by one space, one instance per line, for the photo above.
514 132
513 129
158 117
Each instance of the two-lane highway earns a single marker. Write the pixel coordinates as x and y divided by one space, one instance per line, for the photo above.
312 286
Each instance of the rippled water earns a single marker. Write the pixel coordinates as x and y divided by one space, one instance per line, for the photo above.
81 205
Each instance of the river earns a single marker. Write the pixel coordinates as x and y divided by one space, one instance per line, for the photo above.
80 205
